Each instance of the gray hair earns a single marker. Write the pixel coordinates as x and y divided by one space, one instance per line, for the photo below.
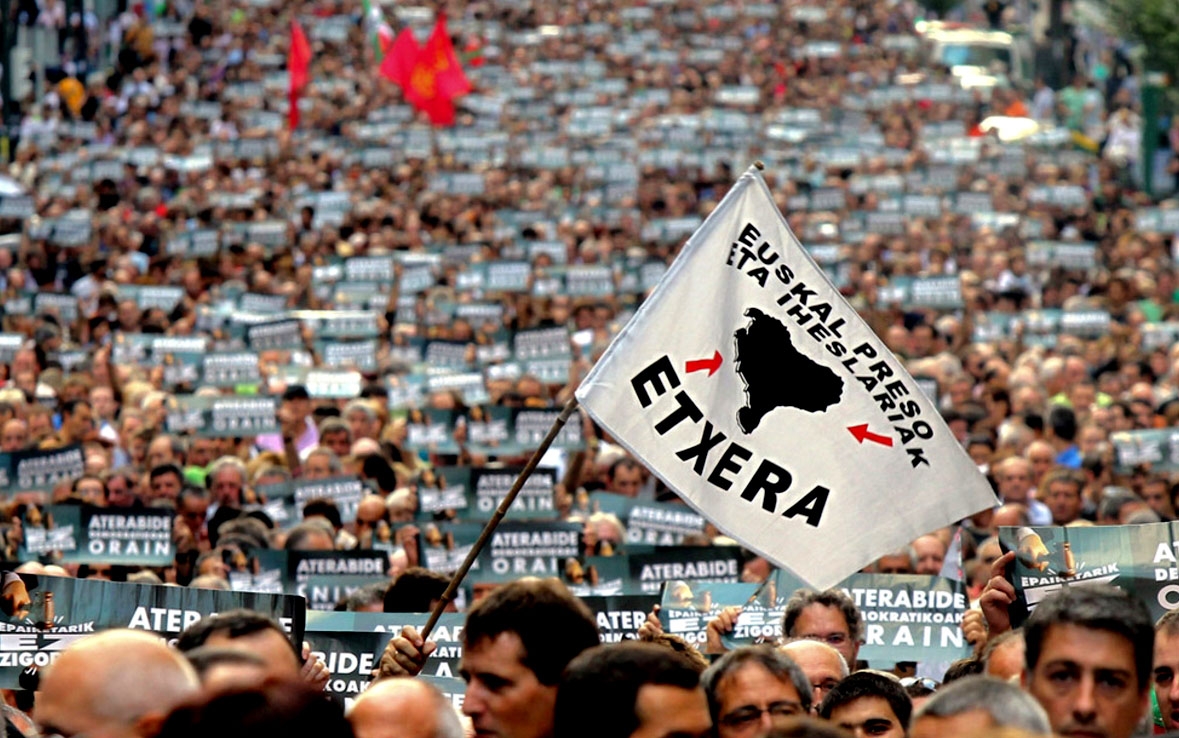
771 659
364 406
1008 705
228 462
333 460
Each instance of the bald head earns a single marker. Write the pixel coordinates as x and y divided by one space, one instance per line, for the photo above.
404 708
823 665
122 683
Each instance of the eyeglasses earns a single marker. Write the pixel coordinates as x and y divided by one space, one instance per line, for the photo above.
926 682
745 716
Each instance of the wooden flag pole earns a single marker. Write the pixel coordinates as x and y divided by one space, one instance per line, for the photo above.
500 512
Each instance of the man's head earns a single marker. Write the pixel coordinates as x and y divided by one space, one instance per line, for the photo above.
1003 658
1015 479
1062 492
828 616
1089 654
869 703
166 481
321 463
336 434
249 631
631 690
226 669
625 477
14 436
227 481
117 684
930 553
823 665
516 643
974 704
404 708
77 421
1166 668
751 689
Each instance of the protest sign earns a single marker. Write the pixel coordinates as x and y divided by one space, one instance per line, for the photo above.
346 492
907 617
683 563
62 610
443 662
1140 559
84 534
529 548
331 569
651 523
24 471
619 617
482 489
778 414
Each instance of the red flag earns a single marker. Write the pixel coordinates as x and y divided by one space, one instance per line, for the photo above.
439 54
400 58
298 68
423 93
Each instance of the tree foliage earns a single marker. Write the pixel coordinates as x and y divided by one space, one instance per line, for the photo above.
1155 25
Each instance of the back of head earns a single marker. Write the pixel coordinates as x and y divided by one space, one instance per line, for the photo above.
403 707
1008 705
1094 607
114 678
869 684
415 590
231 623
288 709
604 682
552 624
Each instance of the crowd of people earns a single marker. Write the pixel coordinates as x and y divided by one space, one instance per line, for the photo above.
170 226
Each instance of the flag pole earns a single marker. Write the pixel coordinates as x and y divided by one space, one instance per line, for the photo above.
447 596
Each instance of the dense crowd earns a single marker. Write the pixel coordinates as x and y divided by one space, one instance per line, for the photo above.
208 314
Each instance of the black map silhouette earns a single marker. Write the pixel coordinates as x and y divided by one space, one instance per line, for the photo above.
776 374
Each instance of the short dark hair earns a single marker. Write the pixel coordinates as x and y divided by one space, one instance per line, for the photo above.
1063 422
552 624
962 668
804 598
415 590
869 684
778 664
205 658
325 508
1095 607
165 469
69 407
289 709
234 624
604 681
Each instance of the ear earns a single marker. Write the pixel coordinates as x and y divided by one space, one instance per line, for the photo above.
150 724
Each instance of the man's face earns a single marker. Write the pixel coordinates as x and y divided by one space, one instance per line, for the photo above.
1166 676
159 451
91 490
868 717
664 711
103 402
338 442
201 453
931 555
1015 482
317 467
14 436
627 481
1042 460
822 623
194 511
1064 500
166 486
360 424
820 664
119 492
971 722
227 487
504 697
80 423
1087 683
1158 497
751 700
894 564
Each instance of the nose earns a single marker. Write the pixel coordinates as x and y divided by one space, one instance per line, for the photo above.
1084 703
474 703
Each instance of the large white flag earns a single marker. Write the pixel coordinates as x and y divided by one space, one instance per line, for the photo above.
753 389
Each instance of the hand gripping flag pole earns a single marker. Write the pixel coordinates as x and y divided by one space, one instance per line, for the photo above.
566 412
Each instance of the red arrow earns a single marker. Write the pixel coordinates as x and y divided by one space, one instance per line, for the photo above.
699 364
862 434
